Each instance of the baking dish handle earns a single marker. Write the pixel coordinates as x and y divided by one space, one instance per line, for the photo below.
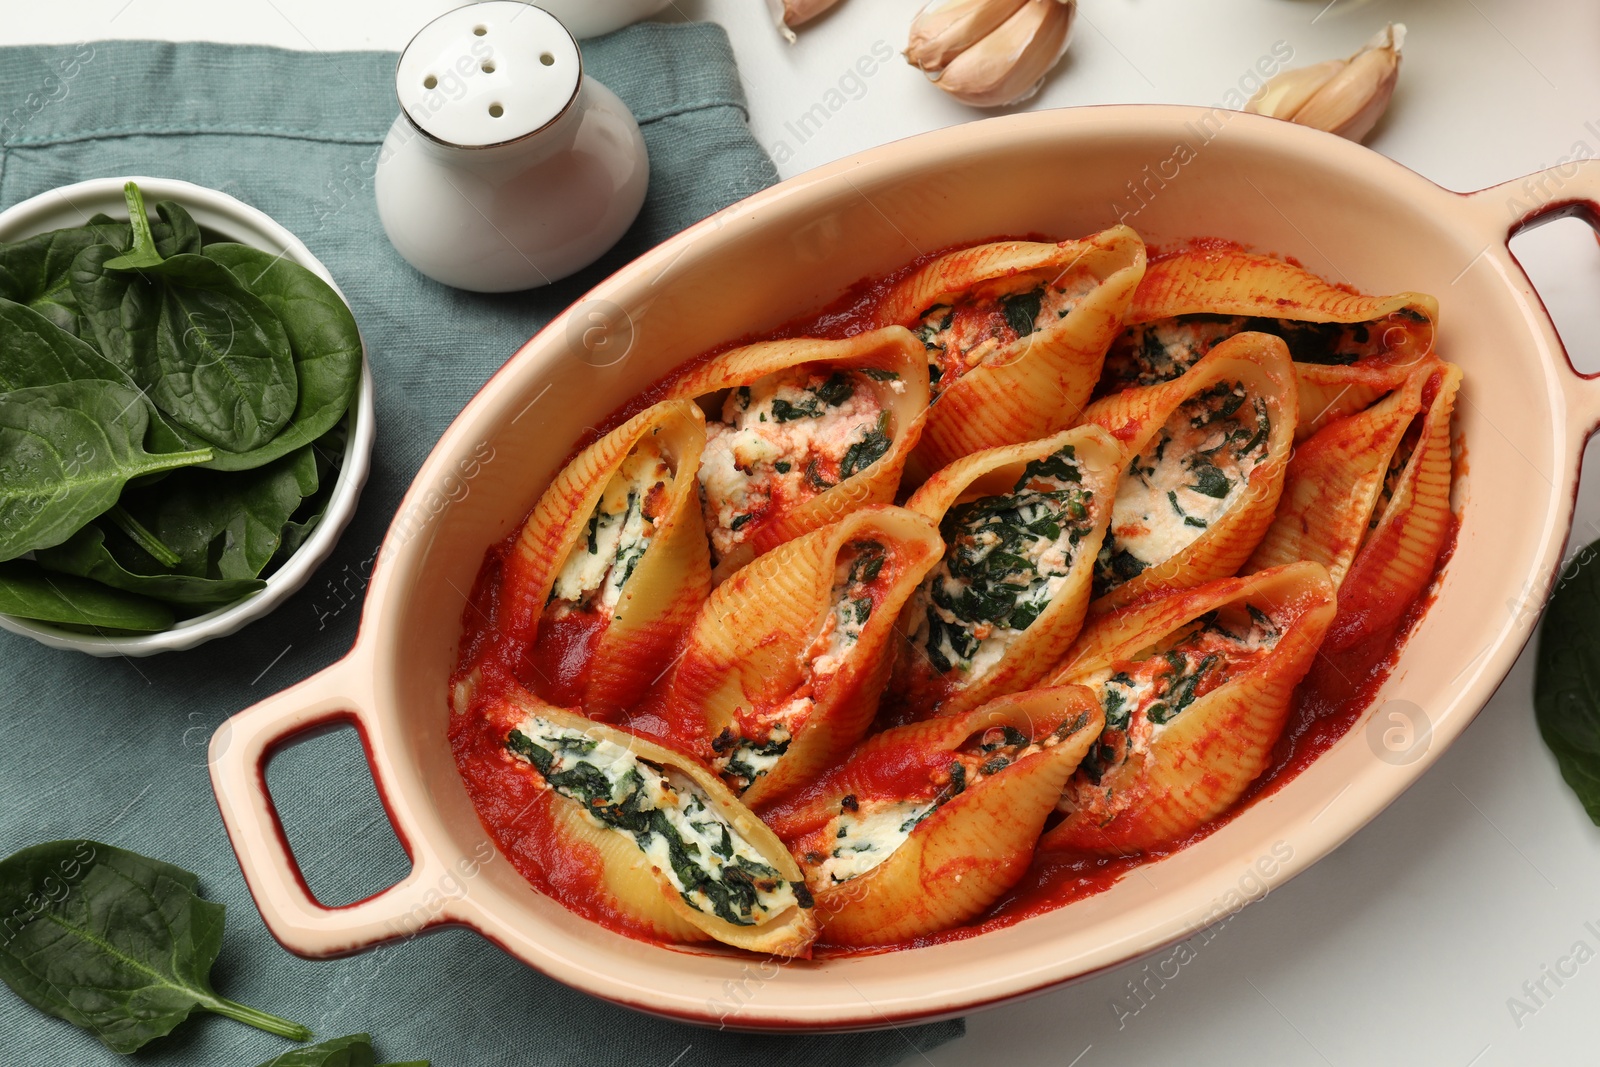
239 753
1567 190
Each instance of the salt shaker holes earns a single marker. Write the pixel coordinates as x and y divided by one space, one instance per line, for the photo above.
495 111
547 59
488 66
430 82
479 31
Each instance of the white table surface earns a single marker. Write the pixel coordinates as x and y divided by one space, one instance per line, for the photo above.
1407 945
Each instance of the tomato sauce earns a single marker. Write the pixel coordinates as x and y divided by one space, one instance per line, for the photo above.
516 810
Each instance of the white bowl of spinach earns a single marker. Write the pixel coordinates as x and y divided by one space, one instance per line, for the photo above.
185 415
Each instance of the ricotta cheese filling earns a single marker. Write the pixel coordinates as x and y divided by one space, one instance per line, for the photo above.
786 438
865 833
619 531
1006 559
962 335
1141 697
1195 469
671 819
756 742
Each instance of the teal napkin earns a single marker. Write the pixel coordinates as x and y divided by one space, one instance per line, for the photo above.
115 749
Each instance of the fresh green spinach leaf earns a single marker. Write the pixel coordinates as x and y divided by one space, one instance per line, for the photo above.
30 592
66 451
1566 685
88 554
322 337
36 271
222 524
352 1051
210 354
114 942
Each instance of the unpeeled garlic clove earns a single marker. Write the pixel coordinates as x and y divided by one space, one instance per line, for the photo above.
787 14
944 29
1007 65
1342 96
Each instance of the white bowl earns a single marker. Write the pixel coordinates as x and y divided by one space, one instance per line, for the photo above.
233 220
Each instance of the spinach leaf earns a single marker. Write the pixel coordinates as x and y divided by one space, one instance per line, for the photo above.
88 555
1566 685
221 525
66 451
30 592
322 337
352 1051
114 942
36 271
210 354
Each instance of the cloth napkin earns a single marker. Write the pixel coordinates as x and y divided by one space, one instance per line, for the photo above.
115 749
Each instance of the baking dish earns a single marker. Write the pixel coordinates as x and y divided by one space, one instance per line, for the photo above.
1171 172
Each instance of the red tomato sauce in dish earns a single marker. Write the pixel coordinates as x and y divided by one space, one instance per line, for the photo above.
518 813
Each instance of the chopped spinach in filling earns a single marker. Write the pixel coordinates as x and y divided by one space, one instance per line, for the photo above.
752 747
617 534
1006 559
959 337
1141 696
667 815
1159 351
1192 472
786 438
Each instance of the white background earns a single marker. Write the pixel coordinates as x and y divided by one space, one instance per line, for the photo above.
1405 945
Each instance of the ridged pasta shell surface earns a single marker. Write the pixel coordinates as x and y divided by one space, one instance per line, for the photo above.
1022 526
1016 333
804 432
1348 349
1343 478
678 852
1412 520
782 671
928 824
1195 687
1204 458
616 542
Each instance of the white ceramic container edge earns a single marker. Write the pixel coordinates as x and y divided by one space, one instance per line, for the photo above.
234 220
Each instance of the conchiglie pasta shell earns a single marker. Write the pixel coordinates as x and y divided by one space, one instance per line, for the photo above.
892 349
668 584
1232 282
1135 416
1333 484
749 646
1397 560
1204 759
1040 383
994 472
960 859
788 933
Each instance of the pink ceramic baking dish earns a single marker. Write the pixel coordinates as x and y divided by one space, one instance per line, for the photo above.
1343 211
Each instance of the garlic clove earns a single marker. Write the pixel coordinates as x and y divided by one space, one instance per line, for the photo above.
1288 92
943 29
787 14
1353 101
1009 64
1342 96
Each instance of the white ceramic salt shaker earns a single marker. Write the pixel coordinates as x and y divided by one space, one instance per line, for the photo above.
508 167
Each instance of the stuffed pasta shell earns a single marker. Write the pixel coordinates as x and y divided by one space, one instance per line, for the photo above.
1196 687
928 824
1016 334
1204 462
1374 486
784 666
802 431
1348 349
1022 526
673 852
614 553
